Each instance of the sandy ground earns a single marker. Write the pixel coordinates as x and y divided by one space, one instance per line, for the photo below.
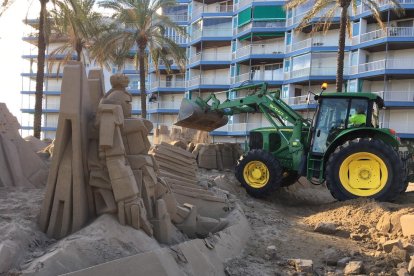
286 221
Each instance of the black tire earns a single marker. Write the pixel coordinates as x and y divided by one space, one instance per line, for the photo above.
273 166
289 178
404 188
395 181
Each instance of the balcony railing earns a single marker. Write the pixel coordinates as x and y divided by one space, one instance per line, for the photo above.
177 17
396 96
259 24
310 42
244 3
405 126
407 63
299 100
213 32
167 84
266 76
164 105
259 49
211 9
381 3
208 81
314 71
388 32
217 56
298 18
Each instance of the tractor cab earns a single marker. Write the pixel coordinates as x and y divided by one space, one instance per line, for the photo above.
340 111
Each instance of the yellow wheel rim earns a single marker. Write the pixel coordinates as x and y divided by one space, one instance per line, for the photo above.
256 174
363 174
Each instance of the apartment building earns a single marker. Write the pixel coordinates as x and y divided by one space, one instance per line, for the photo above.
237 41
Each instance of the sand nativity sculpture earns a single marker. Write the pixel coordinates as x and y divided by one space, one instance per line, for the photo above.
101 165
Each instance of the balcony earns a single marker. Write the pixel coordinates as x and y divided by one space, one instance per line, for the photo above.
177 17
311 42
381 4
405 127
389 32
312 72
298 18
211 32
397 96
299 100
259 24
211 9
164 84
266 76
392 64
162 65
217 81
244 3
163 107
259 49
217 56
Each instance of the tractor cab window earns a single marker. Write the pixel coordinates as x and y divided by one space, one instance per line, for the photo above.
358 113
331 119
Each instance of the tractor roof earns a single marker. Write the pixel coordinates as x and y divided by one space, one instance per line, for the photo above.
358 95
366 95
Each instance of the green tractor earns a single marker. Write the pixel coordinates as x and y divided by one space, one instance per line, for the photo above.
343 145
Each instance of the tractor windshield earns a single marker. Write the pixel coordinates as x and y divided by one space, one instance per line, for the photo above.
332 115
337 114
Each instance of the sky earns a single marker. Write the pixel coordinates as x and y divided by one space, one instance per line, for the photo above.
12 48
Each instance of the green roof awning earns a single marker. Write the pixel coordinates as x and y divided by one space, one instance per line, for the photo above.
244 17
261 35
268 13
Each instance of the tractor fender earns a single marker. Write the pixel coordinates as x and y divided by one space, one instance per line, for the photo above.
361 132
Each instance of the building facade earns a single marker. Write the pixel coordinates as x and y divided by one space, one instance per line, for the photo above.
230 43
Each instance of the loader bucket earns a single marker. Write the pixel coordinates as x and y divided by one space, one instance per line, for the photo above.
193 116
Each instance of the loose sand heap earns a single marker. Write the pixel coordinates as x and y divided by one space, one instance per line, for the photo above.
19 164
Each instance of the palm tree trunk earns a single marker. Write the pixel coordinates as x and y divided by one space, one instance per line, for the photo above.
341 49
141 59
78 50
41 45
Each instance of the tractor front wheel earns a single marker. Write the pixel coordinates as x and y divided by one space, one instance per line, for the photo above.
259 172
365 168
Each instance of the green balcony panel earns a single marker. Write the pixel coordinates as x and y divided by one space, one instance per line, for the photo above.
262 35
267 13
245 16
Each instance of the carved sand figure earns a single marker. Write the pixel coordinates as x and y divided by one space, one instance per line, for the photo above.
101 165
19 164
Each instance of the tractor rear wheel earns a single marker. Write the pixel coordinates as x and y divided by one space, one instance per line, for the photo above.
365 168
259 172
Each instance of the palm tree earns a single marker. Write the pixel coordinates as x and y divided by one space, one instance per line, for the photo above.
41 51
79 25
4 5
139 24
326 10
76 23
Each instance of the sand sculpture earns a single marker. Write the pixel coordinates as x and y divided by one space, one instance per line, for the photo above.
217 156
101 165
179 135
20 166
